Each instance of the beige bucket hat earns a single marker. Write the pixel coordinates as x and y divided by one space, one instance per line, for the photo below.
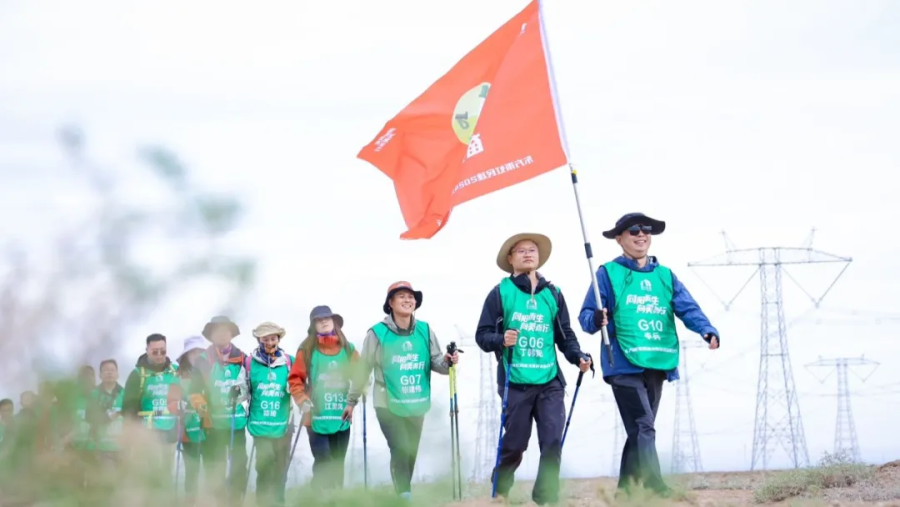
545 247
267 328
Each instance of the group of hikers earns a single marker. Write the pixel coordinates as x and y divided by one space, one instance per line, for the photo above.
201 405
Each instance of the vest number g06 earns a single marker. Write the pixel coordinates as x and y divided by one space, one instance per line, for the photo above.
530 342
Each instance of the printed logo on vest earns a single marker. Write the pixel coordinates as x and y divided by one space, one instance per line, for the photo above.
646 286
407 346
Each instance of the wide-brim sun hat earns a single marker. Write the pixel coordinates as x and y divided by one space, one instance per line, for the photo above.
220 320
192 343
629 219
268 328
544 246
397 287
324 312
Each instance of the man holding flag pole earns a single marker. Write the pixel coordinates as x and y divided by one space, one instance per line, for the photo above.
492 121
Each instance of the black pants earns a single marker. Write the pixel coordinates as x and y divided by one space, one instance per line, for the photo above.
328 452
403 435
215 459
272 456
545 406
637 396
190 454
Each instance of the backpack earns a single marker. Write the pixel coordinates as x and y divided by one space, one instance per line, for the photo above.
499 323
248 360
145 375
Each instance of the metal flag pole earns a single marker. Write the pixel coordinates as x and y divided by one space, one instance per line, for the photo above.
561 126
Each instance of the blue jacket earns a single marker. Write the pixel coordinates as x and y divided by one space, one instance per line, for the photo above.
683 305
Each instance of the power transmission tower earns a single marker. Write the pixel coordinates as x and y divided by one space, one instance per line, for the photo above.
845 439
778 419
685 444
488 421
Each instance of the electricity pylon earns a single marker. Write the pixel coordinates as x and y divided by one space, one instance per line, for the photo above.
778 419
845 439
488 422
685 444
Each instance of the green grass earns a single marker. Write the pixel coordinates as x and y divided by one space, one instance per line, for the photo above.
833 471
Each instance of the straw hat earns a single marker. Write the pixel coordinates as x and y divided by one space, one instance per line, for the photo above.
543 244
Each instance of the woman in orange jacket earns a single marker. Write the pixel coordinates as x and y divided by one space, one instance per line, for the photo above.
319 382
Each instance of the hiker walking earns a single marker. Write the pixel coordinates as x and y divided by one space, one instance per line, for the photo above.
523 322
402 351
321 377
104 414
192 434
267 369
219 394
643 297
145 399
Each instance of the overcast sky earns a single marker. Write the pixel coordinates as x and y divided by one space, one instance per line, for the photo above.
760 118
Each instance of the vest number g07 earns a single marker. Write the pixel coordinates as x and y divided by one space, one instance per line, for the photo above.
411 380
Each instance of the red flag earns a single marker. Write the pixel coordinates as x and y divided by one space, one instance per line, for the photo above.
485 125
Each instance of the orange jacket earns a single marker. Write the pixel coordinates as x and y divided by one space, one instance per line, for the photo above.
328 345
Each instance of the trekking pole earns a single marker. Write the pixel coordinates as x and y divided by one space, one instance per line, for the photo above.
249 466
574 397
294 447
365 454
455 461
502 423
234 407
178 448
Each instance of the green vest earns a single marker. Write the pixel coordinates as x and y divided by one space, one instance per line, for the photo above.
329 383
191 423
155 398
107 435
645 323
82 437
270 401
222 379
534 354
406 368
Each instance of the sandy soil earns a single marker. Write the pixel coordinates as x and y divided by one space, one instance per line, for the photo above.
719 489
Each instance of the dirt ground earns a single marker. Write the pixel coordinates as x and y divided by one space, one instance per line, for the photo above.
720 489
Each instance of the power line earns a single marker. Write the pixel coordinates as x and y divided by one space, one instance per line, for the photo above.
685 443
778 419
845 440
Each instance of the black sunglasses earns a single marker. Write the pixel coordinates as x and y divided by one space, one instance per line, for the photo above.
634 230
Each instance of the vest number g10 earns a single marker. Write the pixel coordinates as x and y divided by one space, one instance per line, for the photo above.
651 325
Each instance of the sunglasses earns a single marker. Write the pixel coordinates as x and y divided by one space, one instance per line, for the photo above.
157 352
634 230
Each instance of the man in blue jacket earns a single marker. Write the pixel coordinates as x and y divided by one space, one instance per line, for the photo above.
523 322
645 297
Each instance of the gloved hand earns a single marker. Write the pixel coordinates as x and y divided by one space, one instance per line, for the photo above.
306 406
600 318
